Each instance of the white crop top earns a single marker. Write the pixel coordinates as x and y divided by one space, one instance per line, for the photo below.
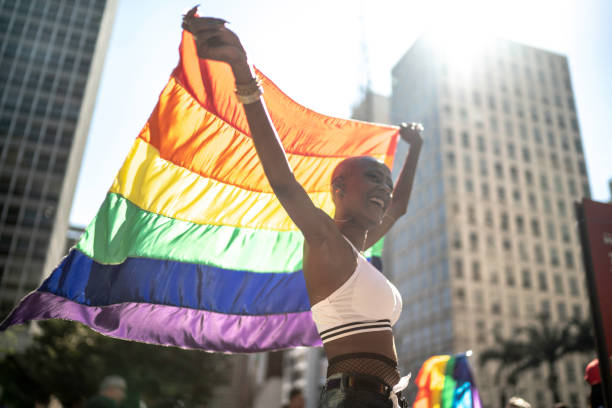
366 302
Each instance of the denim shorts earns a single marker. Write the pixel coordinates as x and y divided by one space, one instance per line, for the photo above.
351 398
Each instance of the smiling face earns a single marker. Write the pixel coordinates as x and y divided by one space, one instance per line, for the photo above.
361 189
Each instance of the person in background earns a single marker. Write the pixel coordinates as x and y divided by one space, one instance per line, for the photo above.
518 402
296 398
111 394
593 377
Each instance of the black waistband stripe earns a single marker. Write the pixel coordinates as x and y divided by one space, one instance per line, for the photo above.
324 332
356 329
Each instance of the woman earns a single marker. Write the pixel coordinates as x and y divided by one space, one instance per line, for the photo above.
353 304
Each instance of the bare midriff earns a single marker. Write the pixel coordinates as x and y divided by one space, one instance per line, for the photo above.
378 342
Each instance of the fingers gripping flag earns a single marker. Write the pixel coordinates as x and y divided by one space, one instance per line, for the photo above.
191 248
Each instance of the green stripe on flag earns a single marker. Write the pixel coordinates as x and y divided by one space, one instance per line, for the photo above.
121 230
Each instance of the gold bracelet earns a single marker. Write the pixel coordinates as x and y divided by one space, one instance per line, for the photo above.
249 92
252 98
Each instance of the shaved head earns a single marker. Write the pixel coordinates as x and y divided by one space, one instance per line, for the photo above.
349 165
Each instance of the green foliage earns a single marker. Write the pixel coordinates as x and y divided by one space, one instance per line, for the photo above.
69 360
537 344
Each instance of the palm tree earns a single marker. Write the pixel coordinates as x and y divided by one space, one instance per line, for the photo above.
507 352
537 344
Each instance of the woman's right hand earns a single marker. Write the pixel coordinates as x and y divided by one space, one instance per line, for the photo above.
213 40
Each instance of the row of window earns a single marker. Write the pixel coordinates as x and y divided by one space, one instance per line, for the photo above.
501 193
521 224
499 168
554 259
42 162
34 132
525 279
38 189
494 144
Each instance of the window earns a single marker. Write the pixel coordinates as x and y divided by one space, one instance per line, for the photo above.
507 245
545 305
485 191
569 259
483 167
449 136
528 177
489 218
481 143
504 221
565 234
558 284
554 257
561 207
471 215
576 312
542 281
511 150
535 227
501 194
537 135
491 100
467 164
458 268
465 139
499 171
473 241
532 201
550 230
573 286
450 158
562 310
457 240
514 174
526 155
476 271
526 278
543 182
539 253
534 114
520 225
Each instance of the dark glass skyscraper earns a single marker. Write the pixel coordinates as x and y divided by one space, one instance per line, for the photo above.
51 58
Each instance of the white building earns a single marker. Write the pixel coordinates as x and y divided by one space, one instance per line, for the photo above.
489 240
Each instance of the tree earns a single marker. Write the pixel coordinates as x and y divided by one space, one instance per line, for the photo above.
539 343
69 360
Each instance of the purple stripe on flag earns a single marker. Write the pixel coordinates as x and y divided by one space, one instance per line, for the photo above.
175 326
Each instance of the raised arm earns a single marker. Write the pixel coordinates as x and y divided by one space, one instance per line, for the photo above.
214 41
403 186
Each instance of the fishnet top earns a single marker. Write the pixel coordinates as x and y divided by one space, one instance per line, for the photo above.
372 364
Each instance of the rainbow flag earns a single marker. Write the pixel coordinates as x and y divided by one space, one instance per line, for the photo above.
190 247
446 382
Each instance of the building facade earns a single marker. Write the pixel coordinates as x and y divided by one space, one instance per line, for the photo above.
489 240
52 53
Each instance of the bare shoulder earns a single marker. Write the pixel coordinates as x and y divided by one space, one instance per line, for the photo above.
327 264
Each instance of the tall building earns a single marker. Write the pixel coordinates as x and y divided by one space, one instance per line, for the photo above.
489 240
52 53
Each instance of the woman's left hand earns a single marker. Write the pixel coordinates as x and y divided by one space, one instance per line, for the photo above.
411 133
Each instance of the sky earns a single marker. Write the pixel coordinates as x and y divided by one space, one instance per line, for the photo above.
319 52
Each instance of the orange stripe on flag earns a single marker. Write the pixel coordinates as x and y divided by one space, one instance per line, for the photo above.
301 130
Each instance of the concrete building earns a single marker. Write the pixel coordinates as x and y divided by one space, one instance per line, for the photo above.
52 53
489 240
